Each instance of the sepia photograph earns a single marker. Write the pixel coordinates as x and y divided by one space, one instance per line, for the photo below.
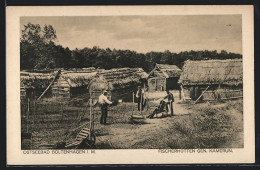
171 83
167 82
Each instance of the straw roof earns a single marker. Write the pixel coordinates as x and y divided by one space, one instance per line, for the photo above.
74 76
165 71
36 79
228 72
118 78
78 77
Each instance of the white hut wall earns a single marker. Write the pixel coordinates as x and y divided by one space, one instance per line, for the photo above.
157 84
186 91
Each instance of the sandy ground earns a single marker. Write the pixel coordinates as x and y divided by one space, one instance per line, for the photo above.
122 133
129 135
152 133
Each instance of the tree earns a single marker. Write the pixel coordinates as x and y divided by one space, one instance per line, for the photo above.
37 47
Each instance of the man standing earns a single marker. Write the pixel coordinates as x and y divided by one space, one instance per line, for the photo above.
140 98
104 102
169 101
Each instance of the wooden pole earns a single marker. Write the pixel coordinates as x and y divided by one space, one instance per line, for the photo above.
141 108
49 84
92 113
61 110
182 91
28 110
34 111
133 103
201 95
91 118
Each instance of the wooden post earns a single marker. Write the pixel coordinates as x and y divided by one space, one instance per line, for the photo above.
45 113
141 107
133 103
182 91
201 95
61 110
34 111
91 118
155 84
27 121
90 114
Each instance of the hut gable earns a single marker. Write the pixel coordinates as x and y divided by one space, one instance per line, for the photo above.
73 82
165 71
227 72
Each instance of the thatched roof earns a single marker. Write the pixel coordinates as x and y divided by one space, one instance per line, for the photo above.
74 76
165 71
118 78
36 79
78 77
228 72
81 77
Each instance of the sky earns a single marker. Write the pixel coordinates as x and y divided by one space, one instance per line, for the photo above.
175 33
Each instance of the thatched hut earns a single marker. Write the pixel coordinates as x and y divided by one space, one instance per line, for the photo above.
164 77
33 83
120 83
223 79
73 82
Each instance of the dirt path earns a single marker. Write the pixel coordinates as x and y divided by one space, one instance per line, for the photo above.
128 135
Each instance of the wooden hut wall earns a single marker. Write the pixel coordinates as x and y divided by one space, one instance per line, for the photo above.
125 94
22 92
81 91
172 83
96 87
216 92
61 89
224 92
157 84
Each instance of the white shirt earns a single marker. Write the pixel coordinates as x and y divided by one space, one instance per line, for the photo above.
137 93
103 99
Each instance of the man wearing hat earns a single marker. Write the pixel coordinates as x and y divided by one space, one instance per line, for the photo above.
104 102
140 98
169 101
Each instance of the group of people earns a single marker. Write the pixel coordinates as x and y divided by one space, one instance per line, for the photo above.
141 100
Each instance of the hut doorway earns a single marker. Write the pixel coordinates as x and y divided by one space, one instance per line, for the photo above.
157 84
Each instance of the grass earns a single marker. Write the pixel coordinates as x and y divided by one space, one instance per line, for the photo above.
208 125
